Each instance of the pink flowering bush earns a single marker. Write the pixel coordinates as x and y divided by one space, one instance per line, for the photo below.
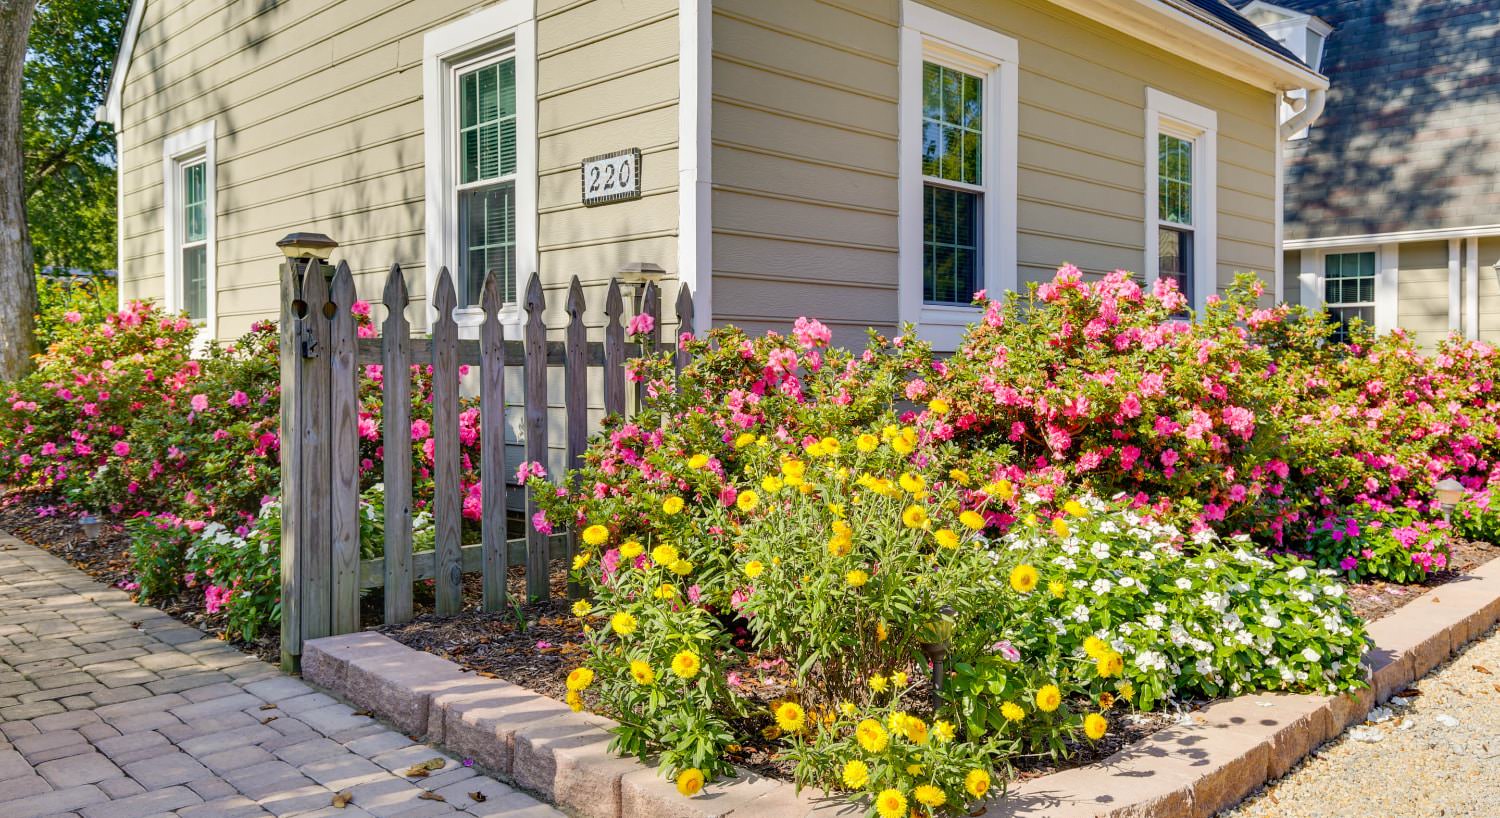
1102 383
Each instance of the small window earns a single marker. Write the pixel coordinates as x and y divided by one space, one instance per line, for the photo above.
952 167
1349 289
193 246
486 184
1175 212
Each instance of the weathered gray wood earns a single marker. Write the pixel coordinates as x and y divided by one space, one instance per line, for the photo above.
371 572
343 383
395 390
536 431
492 443
684 323
614 350
650 305
447 496
293 503
576 396
316 553
369 352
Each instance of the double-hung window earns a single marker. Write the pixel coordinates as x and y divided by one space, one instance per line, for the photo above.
188 222
957 170
486 183
952 190
1174 173
479 117
1349 289
1181 195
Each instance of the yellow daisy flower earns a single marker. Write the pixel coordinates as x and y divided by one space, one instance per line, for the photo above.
596 534
754 568
641 672
580 678
1095 726
631 549
690 782
890 804
698 461
747 501
914 517
867 443
1048 698
977 783
582 608
946 537
686 664
1012 711
671 505
790 716
664 555
1023 578
856 774
871 736
856 578
622 623
929 796
972 520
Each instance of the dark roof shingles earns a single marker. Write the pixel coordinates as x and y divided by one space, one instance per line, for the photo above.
1408 140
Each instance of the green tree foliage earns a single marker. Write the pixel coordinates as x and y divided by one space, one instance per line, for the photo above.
69 156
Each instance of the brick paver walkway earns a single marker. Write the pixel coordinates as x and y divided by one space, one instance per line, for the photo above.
113 710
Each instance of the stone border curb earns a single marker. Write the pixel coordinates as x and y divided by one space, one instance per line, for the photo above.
1194 771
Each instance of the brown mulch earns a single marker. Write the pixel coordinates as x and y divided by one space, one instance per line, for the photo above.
535 645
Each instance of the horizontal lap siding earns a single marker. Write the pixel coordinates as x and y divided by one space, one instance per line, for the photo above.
804 158
805 130
318 108
1489 290
1422 291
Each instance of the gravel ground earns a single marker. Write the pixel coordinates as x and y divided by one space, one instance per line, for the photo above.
1437 755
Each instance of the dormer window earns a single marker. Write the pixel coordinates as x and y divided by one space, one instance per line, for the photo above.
1303 34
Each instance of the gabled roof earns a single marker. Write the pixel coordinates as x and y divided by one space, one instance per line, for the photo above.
1410 137
111 109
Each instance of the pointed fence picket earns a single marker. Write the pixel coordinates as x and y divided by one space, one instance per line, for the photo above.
322 358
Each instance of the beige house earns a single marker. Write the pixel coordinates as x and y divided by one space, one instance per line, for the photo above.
868 162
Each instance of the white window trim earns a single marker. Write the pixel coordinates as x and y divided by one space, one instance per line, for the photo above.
927 34
184 145
509 24
1178 117
1387 282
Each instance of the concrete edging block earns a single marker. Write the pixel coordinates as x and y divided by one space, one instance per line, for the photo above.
1193 771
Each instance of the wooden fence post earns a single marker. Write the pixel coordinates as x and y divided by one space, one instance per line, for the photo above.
537 550
395 391
292 501
684 325
492 444
316 537
447 499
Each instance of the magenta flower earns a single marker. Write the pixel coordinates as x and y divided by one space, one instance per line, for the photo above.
199 403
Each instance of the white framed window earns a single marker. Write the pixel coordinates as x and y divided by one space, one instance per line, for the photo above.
1182 195
1349 288
479 113
957 170
189 207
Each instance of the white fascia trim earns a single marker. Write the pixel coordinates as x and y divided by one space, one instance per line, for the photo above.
1455 288
695 156
1471 289
1436 234
926 31
186 143
1192 35
1310 279
1201 124
1387 286
119 221
512 21
111 110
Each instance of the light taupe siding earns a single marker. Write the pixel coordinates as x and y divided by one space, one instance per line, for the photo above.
1422 291
805 130
1489 290
318 105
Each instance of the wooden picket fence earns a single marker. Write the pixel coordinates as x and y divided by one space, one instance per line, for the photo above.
321 360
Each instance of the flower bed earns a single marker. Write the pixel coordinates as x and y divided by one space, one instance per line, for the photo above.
1097 507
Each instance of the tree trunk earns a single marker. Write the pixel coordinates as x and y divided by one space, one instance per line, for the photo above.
17 279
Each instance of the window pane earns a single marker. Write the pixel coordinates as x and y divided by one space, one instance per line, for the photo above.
1174 258
950 256
486 120
487 241
194 203
952 124
1349 278
1174 171
195 282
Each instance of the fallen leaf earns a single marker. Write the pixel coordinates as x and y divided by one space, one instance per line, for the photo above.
1483 669
1410 693
365 713
268 719
485 674
1497 687
136 625
429 795
479 797
342 799
268 707
416 771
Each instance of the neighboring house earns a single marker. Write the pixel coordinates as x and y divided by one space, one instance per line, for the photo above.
1393 196
868 162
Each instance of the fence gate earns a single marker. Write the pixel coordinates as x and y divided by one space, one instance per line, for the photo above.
322 358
